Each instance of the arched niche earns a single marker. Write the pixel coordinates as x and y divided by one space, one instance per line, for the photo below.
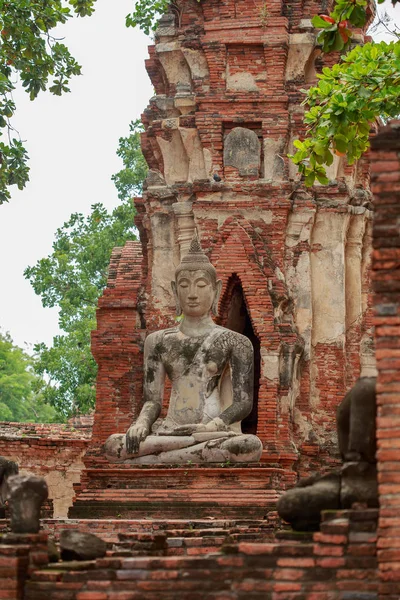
236 317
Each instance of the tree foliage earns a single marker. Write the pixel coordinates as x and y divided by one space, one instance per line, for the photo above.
22 396
72 278
350 96
129 180
146 14
29 53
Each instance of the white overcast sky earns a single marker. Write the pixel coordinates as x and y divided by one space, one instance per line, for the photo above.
72 142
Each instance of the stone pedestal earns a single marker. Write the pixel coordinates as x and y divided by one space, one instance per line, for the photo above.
240 492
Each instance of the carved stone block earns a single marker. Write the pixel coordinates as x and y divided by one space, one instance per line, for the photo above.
26 494
242 150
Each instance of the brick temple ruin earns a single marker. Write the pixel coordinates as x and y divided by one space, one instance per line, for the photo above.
296 271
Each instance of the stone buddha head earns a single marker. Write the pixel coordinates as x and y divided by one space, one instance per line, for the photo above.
196 287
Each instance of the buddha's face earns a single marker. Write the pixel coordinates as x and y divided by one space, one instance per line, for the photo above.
196 292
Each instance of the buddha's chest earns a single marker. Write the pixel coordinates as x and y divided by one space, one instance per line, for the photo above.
193 359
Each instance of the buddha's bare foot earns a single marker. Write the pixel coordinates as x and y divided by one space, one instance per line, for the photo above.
217 442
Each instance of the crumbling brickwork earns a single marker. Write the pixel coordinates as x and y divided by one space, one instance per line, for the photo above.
337 563
385 169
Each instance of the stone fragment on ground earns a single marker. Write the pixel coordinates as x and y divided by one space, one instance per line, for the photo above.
77 545
25 495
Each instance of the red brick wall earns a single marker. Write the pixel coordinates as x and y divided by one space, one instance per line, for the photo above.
54 452
385 165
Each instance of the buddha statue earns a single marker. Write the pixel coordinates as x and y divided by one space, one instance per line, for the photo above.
356 480
211 372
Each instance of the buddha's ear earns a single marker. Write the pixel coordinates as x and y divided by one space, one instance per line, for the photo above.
177 303
218 289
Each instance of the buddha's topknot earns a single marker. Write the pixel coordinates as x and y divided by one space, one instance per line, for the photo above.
195 259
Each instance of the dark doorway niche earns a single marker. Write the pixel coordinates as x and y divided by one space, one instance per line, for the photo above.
238 319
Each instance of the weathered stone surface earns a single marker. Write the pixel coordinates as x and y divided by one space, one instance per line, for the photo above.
166 26
26 494
359 483
76 545
274 163
300 64
301 506
356 422
155 179
356 482
242 151
7 469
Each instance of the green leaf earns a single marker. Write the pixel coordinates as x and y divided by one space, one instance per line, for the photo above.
340 142
310 178
320 148
298 144
320 23
325 87
338 43
322 178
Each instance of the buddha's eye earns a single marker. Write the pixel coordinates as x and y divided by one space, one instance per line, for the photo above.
184 285
201 283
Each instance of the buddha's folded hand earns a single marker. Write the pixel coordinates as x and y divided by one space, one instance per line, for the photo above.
136 433
216 424
189 429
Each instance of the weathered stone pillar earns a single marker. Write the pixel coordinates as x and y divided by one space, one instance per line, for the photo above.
298 278
367 347
353 256
185 225
353 285
298 236
329 316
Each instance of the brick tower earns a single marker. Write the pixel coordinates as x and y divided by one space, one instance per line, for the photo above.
294 263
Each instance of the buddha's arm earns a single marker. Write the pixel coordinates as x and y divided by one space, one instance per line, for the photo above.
242 368
154 377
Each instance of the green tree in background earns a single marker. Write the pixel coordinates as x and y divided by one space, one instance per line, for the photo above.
22 392
130 179
73 277
350 96
30 54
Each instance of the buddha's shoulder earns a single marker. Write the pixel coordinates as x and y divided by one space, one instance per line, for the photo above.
233 339
158 337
